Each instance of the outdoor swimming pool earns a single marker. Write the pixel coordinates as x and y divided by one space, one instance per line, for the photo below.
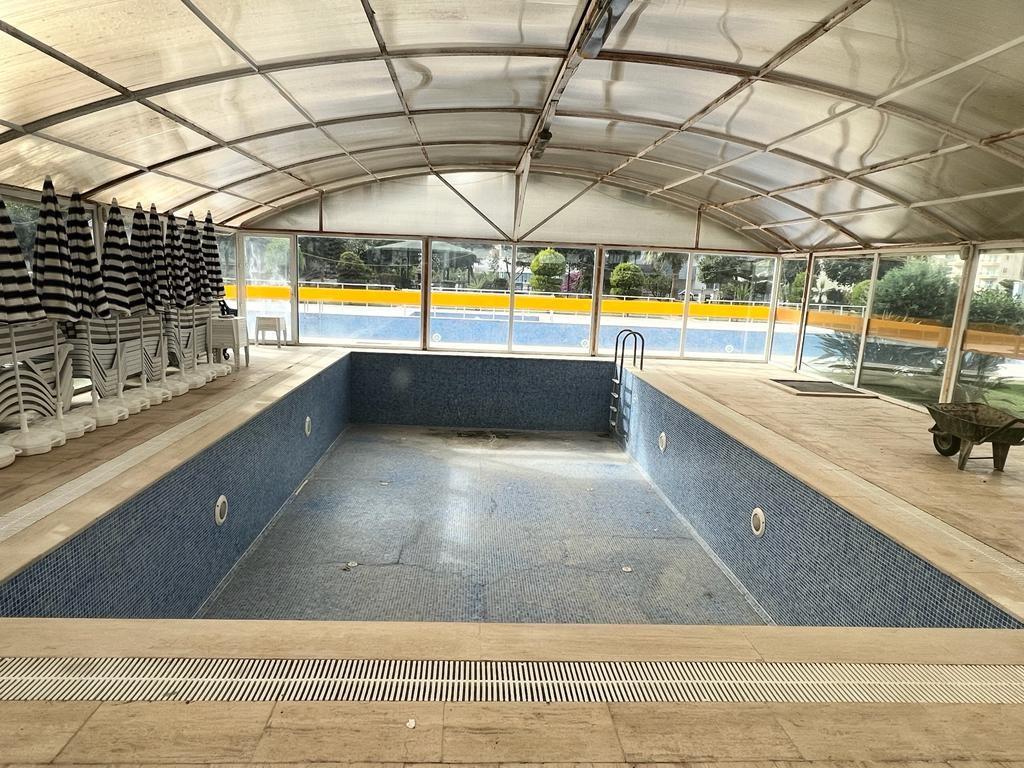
430 487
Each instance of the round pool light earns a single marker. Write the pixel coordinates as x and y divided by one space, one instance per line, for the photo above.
308 426
220 511
757 522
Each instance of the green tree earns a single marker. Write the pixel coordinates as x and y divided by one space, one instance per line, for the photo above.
716 269
795 293
627 279
352 268
547 269
847 271
917 289
674 263
997 307
859 292
658 284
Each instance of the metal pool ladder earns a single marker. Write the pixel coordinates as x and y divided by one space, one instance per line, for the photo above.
619 361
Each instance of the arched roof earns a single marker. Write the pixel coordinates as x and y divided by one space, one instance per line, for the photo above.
801 123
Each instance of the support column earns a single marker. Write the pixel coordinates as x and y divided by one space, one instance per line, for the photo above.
425 283
595 307
868 309
961 314
804 309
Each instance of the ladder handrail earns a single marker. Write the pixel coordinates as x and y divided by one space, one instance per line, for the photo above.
619 363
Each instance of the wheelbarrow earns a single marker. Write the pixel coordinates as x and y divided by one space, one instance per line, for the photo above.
961 426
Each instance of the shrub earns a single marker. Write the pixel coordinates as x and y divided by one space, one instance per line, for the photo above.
547 267
352 269
795 294
996 306
916 289
658 284
859 292
627 280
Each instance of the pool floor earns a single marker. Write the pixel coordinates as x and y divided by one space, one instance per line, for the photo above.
446 525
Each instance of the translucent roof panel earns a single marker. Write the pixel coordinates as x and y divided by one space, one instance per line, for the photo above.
544 195
758 114
391 159
329 170
221 205
814 234
994 217
889 43
767 171
498 23
270 30
131 132
763 210
255 212
27 161
866 137
655 174
616 135
134 44
476 126
36 85
895 226
302 216
984 99
269 187
668 94
836 196
713 190
492 192
342 90
292 147
595 162
474 154
475 81
366 134
972 170
741 31
148 188
233 108
216 168
694 150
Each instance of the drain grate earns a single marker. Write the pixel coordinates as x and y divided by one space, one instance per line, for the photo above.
177 679
819 388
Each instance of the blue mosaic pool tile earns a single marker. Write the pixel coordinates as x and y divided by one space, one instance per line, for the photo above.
160 554
816 564
481 391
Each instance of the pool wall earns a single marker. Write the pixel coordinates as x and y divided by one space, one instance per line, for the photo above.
160 554
816 564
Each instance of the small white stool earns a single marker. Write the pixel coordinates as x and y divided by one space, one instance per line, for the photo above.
264 324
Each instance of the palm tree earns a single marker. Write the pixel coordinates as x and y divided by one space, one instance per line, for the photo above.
671 260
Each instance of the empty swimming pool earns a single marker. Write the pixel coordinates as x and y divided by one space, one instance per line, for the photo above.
404 486
425 524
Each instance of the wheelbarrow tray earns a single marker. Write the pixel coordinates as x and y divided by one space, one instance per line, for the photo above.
961 426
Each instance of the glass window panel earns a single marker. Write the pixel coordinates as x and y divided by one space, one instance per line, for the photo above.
269 30
864 138
787 311
475 81
744 32
24 214
342 90
226 249
132 132
889 44
909 328
166 192
965 172
329 170
157 43
767 112
693 150
475 126
470 296
992 367
222 205
36 85
618 88
268 187
368 134
836 196
989 218
729 304
215 168
475 154
769 172
617 135
643 290
428 23
360 290
835 317
233 109
554 287
268 281
292 147
27 161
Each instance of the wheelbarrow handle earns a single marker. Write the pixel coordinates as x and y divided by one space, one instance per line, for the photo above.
1000 428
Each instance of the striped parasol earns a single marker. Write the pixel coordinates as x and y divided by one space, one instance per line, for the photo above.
19 302
193 247
91 298
211 256
142 258
182 293
161 272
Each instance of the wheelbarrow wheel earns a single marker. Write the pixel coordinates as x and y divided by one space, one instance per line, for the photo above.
946 444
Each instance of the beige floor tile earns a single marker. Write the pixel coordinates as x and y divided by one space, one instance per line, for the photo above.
694 732
166 732
37 731
886 732
342 731
529 733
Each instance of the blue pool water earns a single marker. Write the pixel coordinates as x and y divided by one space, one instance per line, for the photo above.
448 521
